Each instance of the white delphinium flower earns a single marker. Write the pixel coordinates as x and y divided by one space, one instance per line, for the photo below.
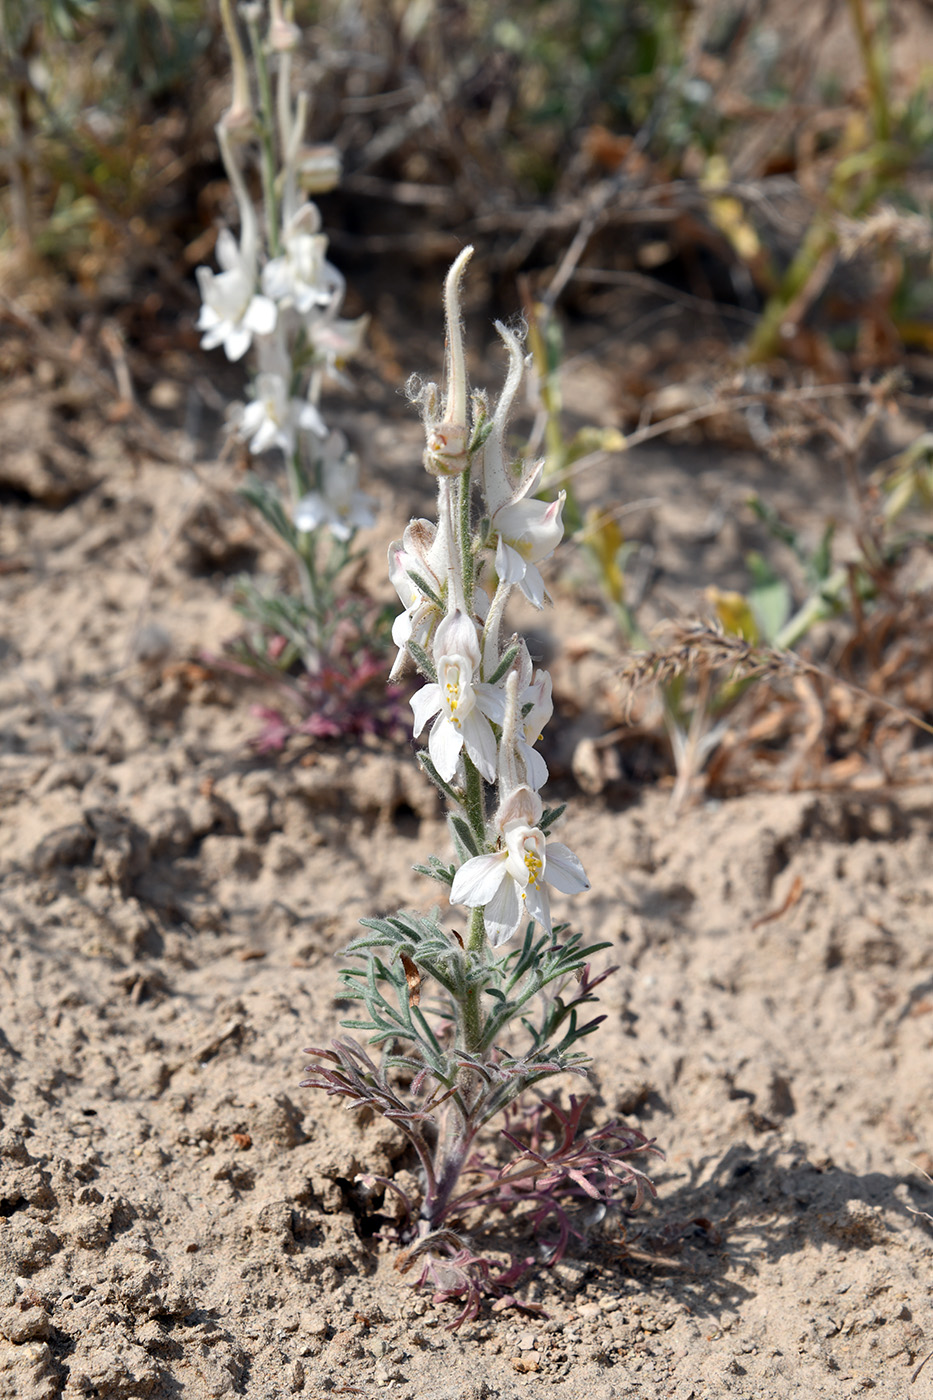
273 419
528 532
418 570
510 884
463 703
302 277
338 504
335 340
232 311
536 708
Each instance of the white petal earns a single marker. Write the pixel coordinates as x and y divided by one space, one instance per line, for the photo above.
276 281
480 743
532 585
456 636
563 869
510 566
425 703
308 417
535 767
260 316
226 250
537 906
309 513
444 746
236 341
491 700
477 880
504 914
265 436
401 629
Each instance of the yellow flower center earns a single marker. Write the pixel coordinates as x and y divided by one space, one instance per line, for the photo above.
452 689
534 865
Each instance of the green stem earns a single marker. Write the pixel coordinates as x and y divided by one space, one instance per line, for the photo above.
870 49
471 1025
765 343
475 803
817 607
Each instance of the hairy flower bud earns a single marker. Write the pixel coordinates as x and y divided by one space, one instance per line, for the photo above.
446 453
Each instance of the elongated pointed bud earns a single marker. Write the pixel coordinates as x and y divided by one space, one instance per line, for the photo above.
239 118
446 452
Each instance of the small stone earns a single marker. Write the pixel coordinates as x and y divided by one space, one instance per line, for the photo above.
24 1324
66 847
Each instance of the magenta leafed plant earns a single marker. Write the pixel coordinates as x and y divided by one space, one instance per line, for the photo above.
467 1028
343 698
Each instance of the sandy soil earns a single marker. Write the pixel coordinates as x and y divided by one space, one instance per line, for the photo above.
178 1218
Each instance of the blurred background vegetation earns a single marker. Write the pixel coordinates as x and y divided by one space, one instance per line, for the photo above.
724 202
770 156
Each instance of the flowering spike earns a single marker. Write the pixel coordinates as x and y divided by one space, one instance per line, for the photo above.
481 711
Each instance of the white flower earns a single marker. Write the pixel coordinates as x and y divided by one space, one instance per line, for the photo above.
463 704
336 340
302 277
418 558
232 311
529 531
338 504
272 419
537 694
509 884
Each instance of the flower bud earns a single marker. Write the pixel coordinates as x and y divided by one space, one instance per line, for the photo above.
446 453
319 169
284 36
523 805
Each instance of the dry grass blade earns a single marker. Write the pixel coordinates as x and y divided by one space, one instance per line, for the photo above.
696 647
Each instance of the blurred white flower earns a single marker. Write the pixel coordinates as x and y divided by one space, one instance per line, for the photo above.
335 340
338 504
232 311
302 277
272 419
